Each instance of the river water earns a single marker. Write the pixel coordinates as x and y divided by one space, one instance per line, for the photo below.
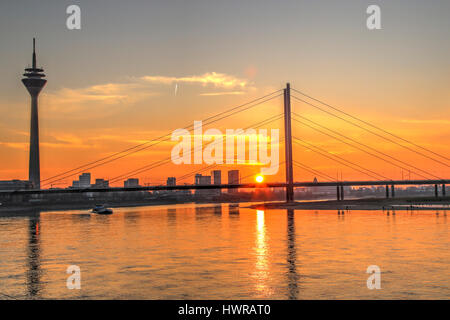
224 252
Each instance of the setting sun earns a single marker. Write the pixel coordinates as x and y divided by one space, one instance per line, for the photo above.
259 178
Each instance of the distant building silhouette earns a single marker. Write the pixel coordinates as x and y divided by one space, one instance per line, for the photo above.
201 180
12 185
217 180
84 181
132 182
331 190
233 178
75 183
217 177
101 183
171 181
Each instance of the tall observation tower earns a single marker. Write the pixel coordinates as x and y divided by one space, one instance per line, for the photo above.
34 82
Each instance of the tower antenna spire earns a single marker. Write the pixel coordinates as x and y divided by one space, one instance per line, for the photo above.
34 81
34 53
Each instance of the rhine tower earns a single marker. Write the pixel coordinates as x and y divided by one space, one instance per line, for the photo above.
34 82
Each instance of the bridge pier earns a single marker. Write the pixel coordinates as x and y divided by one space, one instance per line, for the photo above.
387 191
436 194
392 191
443 190
342 192
338 193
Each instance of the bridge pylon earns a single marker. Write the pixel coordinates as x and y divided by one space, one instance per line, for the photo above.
288 144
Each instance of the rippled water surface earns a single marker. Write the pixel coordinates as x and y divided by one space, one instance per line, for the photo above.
224 252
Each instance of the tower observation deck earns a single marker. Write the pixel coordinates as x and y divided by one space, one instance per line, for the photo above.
34 82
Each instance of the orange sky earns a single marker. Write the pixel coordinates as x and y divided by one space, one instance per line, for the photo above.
111 87
64 148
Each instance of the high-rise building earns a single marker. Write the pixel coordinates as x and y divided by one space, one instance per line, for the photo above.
233 178
217 177
85 180
171 181
201 180
34 82
101 183
217 180
132 182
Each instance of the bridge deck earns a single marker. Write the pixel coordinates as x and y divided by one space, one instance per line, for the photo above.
230 186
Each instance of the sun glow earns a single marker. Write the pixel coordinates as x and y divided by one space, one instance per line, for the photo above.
259 178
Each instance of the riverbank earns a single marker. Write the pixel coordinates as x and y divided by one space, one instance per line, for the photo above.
88 205
77 206
423 203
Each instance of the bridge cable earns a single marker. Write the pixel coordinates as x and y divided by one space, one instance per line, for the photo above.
252 174
370 131
354 164
372 125
215 165
313 171
305 167
168 159
298 164
374 155
158 140
166 139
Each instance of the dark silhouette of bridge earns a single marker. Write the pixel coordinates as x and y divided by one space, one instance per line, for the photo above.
377 179
338 184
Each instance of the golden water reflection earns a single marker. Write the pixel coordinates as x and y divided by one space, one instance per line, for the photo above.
261 253
229 252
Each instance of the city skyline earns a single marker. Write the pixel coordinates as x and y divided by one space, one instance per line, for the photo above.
92 110
229 157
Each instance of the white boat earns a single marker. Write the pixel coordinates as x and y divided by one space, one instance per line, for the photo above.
101 209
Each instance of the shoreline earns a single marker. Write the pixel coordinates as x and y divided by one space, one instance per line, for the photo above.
406 204
423 203
30 208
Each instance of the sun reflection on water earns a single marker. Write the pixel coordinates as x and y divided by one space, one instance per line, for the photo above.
261 264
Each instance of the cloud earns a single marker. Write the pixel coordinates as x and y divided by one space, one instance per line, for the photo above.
108 93
219 80
98 100
25 145
102 99
15 145
57 140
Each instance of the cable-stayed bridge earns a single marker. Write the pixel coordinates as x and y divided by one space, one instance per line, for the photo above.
424 176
